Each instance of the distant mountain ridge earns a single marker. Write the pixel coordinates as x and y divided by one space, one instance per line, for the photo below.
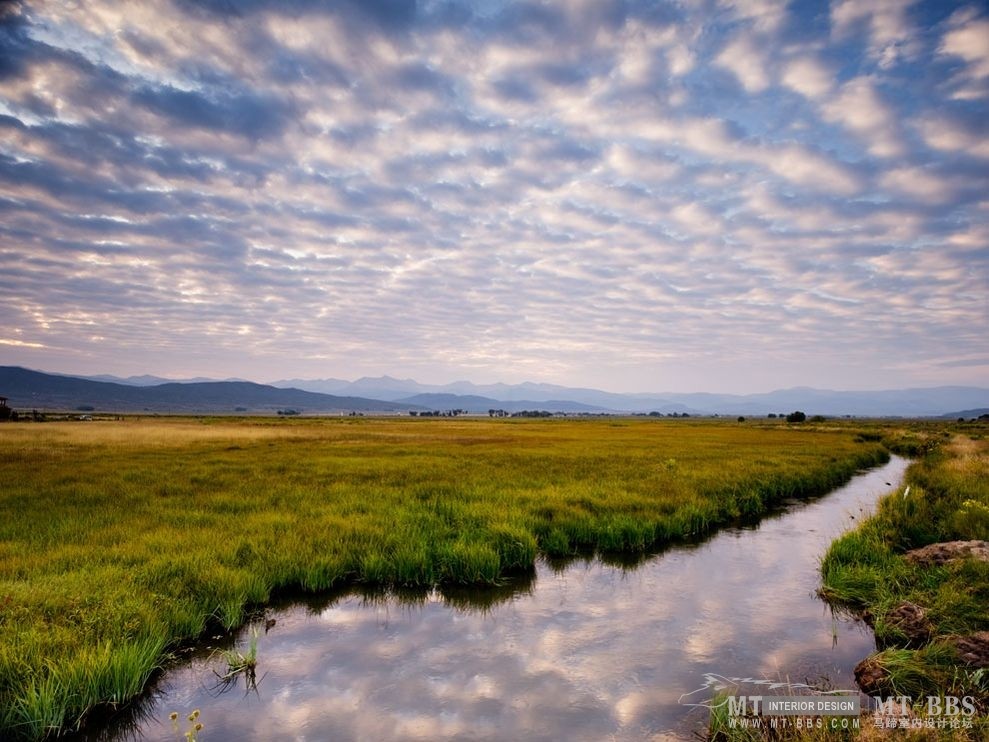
149 380
29 389
36 390
915 402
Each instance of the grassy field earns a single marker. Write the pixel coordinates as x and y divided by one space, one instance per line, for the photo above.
120 539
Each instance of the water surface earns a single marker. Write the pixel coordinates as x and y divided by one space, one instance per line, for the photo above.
584 651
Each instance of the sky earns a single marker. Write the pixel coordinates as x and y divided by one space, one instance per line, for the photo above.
700 195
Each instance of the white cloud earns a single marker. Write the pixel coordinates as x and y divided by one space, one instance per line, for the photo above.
697 219
940 132
858 107
807 168
969 40
891 36
745 59
644 52
808 77
634 165
763 15
918 183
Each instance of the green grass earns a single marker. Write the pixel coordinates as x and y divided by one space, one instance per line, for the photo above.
866 568
945 498
119 540
242 661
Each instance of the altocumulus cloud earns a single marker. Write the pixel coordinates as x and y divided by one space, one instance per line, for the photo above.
637 195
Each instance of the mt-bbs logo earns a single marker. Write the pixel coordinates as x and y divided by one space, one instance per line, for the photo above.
936 706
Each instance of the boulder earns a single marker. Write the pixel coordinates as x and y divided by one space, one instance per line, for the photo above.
871 676
949 551
911 620
972 649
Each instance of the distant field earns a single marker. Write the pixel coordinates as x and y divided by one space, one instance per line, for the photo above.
119 539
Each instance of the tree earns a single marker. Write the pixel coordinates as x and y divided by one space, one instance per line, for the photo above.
796 417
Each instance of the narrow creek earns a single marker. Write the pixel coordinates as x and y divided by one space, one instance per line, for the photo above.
584 651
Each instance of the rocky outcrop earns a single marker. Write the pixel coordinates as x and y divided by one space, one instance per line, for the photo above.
910 620
972 649
949 551
874 679
871 676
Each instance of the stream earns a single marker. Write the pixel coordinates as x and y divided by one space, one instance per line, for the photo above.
590 649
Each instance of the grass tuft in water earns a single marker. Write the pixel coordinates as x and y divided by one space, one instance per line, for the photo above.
241 661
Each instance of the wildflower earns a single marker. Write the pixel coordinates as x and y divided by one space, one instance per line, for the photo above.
174 715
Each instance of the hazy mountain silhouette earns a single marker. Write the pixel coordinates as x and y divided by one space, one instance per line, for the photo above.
919 402
32 389
36 390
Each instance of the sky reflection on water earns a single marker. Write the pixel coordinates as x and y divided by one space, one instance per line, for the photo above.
586 651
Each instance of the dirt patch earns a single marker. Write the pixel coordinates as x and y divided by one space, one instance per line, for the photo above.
949 551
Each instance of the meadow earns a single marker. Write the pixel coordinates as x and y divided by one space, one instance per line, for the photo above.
120 540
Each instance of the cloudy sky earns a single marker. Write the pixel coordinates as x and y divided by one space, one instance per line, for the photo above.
719 195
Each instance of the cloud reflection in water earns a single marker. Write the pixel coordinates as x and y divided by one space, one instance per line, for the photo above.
586 651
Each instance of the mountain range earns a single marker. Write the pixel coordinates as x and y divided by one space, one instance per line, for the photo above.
36 390
918 402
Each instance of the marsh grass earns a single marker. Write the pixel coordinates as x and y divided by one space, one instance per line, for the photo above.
241 662
946 494
866 568
118 540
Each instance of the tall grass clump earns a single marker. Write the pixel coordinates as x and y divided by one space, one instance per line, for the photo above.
119 540
242 661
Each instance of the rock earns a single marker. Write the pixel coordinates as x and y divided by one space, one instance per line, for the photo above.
910 620
972 649
949 551
871 676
